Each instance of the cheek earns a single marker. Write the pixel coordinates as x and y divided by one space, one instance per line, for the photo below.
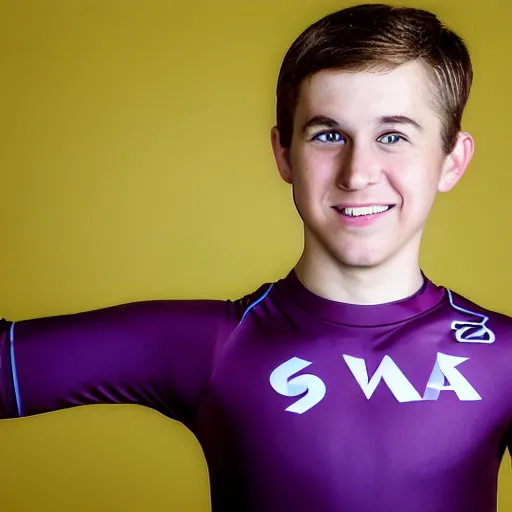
313 171
415 182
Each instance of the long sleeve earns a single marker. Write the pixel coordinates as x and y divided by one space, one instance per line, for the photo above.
157 354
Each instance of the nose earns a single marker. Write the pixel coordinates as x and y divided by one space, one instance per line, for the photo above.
358 169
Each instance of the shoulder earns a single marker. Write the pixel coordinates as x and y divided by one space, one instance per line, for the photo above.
472 320
465 304
245 304
203 316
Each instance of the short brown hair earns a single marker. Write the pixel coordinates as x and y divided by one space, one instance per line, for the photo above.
380 37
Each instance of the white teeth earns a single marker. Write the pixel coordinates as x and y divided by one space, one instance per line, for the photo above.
364 210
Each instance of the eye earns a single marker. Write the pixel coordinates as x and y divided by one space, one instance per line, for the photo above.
391 138
330 137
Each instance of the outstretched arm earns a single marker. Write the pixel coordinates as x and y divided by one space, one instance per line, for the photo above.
157 354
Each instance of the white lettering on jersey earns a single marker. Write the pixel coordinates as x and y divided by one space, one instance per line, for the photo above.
313 386
445 369
387 371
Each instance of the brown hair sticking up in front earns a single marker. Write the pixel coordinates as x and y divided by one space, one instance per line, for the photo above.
380 37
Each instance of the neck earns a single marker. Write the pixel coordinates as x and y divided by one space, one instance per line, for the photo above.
391 281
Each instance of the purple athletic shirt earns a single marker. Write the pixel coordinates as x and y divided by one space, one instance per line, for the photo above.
300 403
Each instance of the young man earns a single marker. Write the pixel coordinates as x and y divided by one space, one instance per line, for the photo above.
355 383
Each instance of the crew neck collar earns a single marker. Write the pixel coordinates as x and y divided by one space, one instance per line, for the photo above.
427 297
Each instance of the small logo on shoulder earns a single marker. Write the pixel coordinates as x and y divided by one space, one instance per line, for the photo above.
467 331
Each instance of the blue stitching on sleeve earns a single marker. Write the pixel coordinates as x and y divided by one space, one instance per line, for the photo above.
15 373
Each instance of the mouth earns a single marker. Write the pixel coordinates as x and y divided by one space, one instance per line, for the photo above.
363 211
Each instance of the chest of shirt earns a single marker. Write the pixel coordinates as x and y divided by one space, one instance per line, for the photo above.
385 390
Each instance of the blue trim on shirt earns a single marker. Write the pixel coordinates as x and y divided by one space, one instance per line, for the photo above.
255 303
462 310
15 373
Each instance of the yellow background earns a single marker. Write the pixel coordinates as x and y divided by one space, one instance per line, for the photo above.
135 164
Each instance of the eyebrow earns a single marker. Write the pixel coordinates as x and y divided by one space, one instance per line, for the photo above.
328 122
400 120
315 121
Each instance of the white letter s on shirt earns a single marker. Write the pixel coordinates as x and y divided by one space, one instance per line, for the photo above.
312 385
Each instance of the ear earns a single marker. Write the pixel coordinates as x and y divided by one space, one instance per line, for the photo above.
281 156
456 162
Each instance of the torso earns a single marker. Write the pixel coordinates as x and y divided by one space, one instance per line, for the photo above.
316 406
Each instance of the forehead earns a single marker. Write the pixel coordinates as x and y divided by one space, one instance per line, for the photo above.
365 95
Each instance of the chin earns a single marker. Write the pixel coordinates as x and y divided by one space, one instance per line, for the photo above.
354 252
359 257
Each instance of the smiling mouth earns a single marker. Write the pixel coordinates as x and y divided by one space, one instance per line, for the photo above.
361 211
